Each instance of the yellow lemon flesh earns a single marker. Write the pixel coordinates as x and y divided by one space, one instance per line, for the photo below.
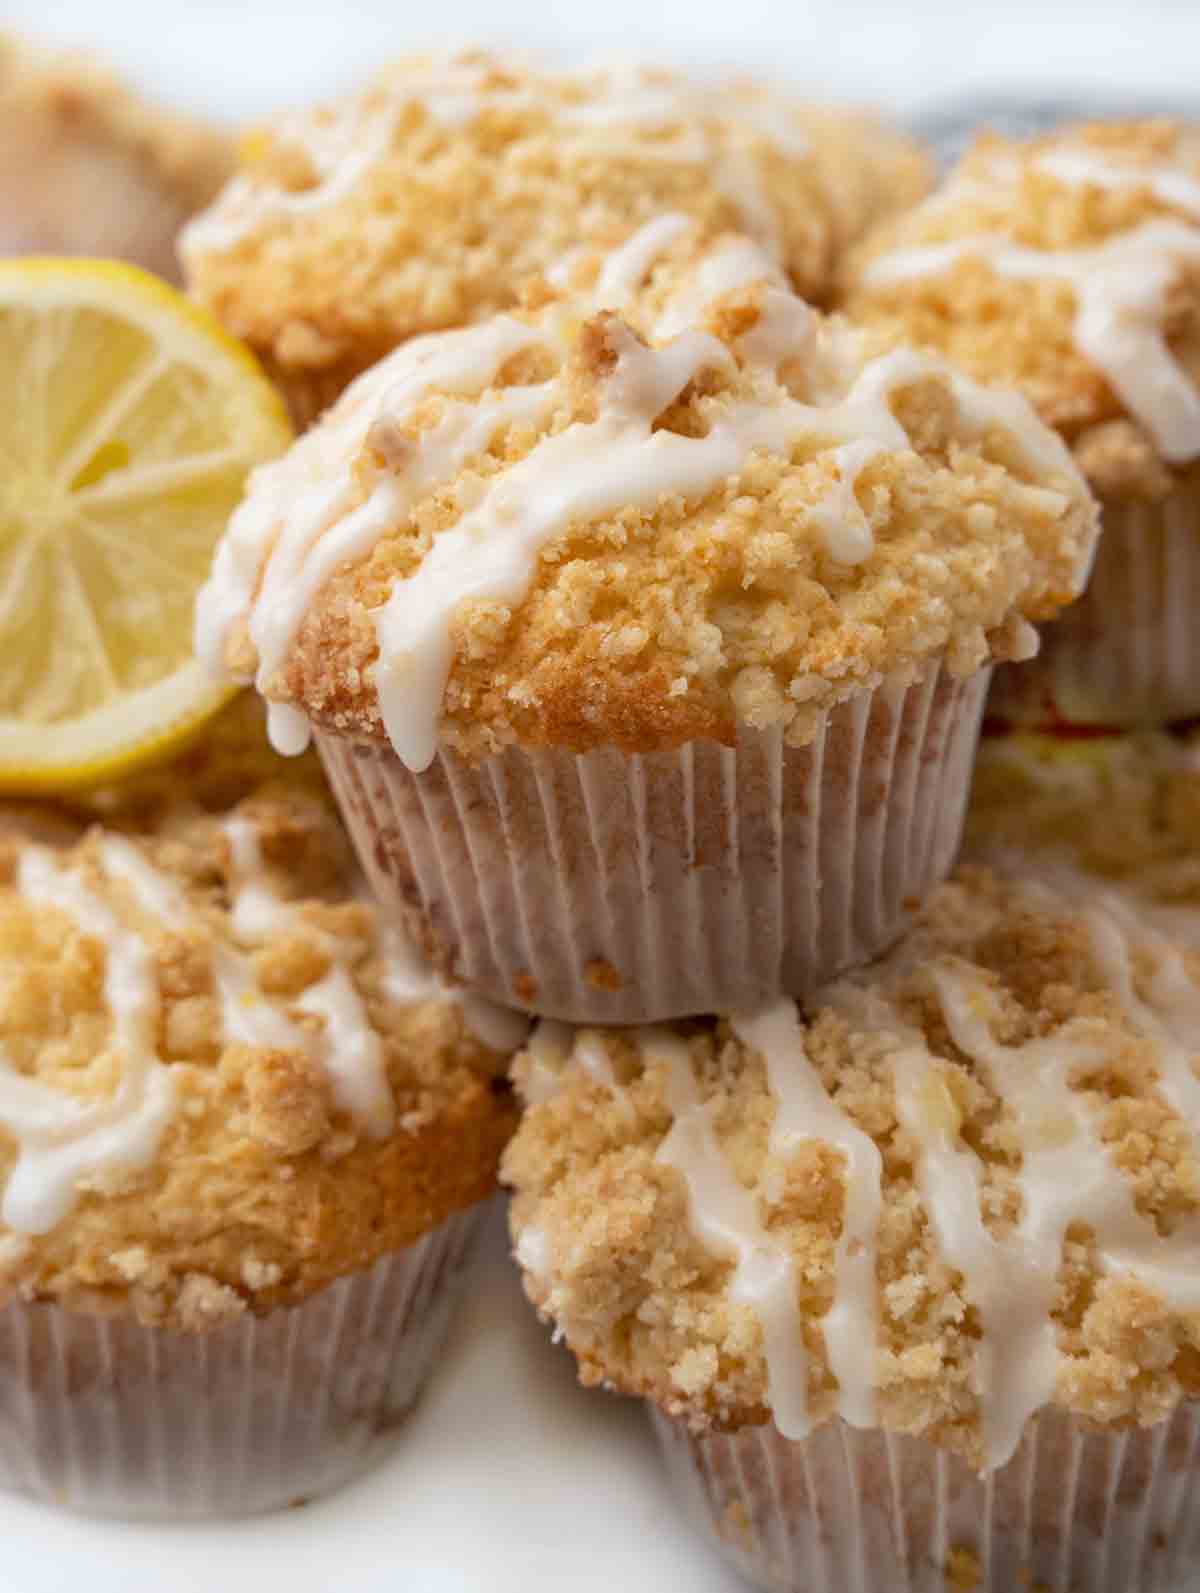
128 424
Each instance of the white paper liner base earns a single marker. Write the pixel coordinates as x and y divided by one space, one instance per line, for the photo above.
109 1417
1077 1509
1128 652
615 888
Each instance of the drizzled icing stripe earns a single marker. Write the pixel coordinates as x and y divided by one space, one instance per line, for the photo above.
64 1143
725 1216
348 142
1121 289
804 1111
1067 1175
1170 184
348 1048
297 525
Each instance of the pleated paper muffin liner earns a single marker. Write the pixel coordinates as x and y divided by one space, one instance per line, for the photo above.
1128 652
614 888
111 1417
1077 1509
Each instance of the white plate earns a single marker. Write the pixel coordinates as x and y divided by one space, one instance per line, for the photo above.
508 1478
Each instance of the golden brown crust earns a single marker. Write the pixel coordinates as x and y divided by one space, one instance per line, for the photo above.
605 1236
474 172
263 1187
1019 330
678 617
89 167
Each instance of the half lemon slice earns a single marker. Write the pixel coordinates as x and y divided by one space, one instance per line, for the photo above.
128 424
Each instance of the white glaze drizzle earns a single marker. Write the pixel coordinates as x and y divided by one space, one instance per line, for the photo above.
804 1111
297 524
408 979
1121 291
345 143
734 263
1169 183
546 1051
725 1216
619 460
282 545
1067 1175
626 268
348 1047
64 1143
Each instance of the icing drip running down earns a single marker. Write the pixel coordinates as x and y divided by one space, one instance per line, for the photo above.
1121 292
1067 1175
725 1216
804 1111
347 1047
63 1143
301 520
409 978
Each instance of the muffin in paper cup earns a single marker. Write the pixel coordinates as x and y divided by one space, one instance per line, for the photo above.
1066 265
646 647
89 167
911 1287
1076 1510
1126 654
246 1142
429 196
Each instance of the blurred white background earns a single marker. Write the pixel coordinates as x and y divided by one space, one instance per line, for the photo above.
243 56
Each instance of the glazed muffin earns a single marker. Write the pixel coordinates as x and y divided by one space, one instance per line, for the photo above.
89 167
1124 809
425 199
912 1288
1068 266
245 1144
646 646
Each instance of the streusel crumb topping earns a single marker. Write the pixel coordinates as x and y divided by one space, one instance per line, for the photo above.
1070 266
220 1074
665 499
423 200
965 1188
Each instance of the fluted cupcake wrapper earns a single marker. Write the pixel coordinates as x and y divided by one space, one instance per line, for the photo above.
1076 1510
616 888
111 1417
1128 652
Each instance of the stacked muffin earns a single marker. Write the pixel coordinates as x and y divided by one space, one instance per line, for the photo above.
248 1142
1067 266
643 617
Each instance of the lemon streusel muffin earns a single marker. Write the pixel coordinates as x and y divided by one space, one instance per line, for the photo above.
424 200
245 1143
912 1288
1070 267
88 167
645 631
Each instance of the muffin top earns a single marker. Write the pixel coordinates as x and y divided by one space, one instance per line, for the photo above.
89 167
223 1083
1122 809
1070 266
423 200
665 499
965 1189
